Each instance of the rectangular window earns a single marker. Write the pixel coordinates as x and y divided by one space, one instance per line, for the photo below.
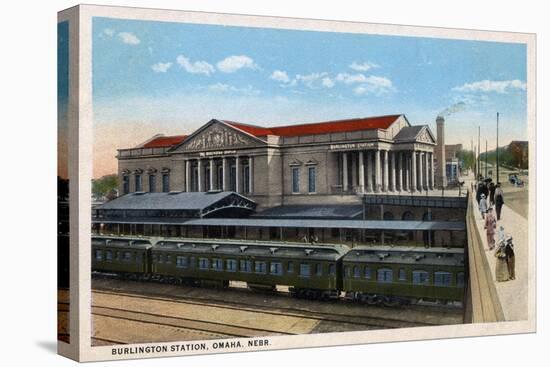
384 275
246 179
442 279
231 265
109 255
246 266
276 268
332 269
127 256
203 263
181 262
217 264
318 269
305 270
165 182
295 179
311 177
152 183
98 255
402 274
168 259
260 267
290 267
356 272
125 185
420 277
347 271
138 182
368 273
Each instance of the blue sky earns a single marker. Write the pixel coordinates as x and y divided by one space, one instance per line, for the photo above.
163 77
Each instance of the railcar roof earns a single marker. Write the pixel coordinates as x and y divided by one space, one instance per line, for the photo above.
138 243
438 256
317 252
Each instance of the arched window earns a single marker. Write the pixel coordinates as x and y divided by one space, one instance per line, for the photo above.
388 216
408 215
420 277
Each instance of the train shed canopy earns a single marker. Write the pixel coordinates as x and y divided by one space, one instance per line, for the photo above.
177 205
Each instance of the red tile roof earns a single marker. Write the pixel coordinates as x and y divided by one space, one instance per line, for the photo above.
165 141
379 122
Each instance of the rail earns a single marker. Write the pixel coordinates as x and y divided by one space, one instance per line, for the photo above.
482 303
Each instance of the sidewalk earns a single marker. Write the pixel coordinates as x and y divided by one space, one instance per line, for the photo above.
513 293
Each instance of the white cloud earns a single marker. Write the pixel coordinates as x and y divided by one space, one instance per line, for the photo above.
197 67
351 78
327 82
374 85
161 67
364 66
280 76
502 86
222 88
109 32
233 63
313 80
129 38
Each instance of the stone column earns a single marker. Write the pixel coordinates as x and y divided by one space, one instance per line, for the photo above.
345 172
237 174
187 175
199 176
400 172
386 171
393 172
225 184
413 171
250 175
378 171
426 172
212 186
369 171
361 172
432 173
420 171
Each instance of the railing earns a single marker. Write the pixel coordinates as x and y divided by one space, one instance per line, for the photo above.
339 190
482 303
138 152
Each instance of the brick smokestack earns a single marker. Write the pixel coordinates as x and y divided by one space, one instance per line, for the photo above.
440 166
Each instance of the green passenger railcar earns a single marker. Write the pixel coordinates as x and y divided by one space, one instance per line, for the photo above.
121 255
311 270
391 275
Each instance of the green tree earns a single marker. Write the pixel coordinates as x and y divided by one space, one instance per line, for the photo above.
105 186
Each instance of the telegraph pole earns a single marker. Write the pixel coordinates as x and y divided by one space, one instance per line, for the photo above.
478 151
498 178
486 158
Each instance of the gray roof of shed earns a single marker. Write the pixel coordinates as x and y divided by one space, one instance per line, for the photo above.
311 211
167 200
408 133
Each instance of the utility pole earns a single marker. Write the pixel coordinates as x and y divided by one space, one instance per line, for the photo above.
478 151
498 178
485 158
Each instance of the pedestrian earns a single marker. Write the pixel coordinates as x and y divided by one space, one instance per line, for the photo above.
479 191
483 206
499 200
492 188
490 227
500 234
510 257
501 267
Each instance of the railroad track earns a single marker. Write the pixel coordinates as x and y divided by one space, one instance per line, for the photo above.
370 322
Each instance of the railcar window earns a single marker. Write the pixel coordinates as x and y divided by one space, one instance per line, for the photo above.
126 256
276 268
161 259
460 280
384 275
139 257
192 262
318 269
402 274
356 272
347 271
290 267
168 259
181 262
442 279
260 267
305 270
421 277
231 265
331 269
203 263
368 273
246 266
98 255
217 264
109 255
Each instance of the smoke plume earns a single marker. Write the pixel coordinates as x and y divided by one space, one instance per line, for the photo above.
457 107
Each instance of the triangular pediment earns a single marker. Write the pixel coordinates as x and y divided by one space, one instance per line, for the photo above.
217 135
425 136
